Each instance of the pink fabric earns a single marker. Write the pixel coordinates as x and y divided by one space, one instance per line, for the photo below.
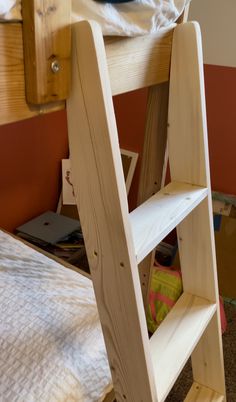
158 296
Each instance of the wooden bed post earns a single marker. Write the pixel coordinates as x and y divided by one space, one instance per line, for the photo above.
47 49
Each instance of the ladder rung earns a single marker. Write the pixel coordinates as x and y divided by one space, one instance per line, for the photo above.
161 213
199 393
174 340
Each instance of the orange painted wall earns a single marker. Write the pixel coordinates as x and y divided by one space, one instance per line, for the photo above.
220 83
130 110
30 160
31 151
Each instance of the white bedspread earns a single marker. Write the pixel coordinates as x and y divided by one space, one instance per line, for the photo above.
130 19
51 344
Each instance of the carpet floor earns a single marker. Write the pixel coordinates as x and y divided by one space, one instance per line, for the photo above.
181 387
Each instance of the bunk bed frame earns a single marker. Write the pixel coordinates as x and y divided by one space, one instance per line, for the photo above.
30 87
42 66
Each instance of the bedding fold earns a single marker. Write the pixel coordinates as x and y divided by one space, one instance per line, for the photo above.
134 18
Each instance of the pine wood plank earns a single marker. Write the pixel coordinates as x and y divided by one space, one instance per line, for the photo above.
12 83
110 397
187 111
47 49
155 218
175 339
103 209
139 62
154 159
152 163
154 142
189 162
199 393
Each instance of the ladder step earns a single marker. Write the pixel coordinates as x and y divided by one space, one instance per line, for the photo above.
174 340
161 213
199 393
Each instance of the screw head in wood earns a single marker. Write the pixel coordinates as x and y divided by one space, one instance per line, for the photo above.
55 66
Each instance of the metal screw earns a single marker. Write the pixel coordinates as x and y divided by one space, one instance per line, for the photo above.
55 66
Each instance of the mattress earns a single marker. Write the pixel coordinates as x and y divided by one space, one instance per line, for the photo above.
52 348
138 17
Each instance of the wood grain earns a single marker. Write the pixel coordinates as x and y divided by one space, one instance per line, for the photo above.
153 163
175 339
47 42
12 84
154 142
139 62
199 393
154 159
160 214
102 204
189 163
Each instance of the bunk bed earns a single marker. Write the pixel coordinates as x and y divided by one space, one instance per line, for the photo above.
46 340
16 67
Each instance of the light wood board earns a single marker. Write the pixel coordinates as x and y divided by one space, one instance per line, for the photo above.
103 210
139 62
158 216
189 162
47 49
12 80
199 393
176 337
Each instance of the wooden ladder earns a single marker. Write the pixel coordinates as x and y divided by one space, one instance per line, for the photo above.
117 241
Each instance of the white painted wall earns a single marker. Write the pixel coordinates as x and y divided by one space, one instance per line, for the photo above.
217 19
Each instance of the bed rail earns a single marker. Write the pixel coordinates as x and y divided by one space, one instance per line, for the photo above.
147 60
36 80
28 86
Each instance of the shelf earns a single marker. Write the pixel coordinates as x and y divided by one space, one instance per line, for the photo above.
161 213
174 340
198 393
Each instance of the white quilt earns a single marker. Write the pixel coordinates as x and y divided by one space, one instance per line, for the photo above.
128 19
51 343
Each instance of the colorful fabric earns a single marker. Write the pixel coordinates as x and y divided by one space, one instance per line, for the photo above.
166 288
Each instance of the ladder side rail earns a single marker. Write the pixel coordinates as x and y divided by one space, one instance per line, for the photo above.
189 163
102 203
